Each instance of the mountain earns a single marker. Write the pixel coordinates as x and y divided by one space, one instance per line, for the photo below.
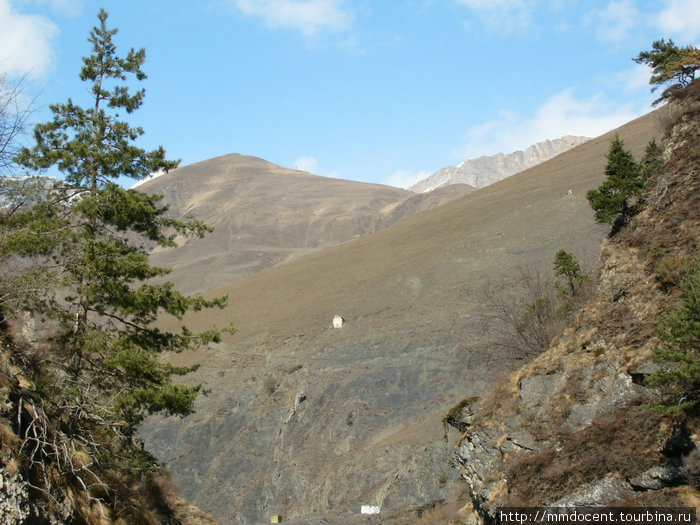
264 214
482 171
312 421
573 427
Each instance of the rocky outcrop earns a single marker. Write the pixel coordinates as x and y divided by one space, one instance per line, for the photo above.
18 506
573 427
482 171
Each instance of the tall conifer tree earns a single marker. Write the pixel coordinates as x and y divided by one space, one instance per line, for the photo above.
619 197
107 301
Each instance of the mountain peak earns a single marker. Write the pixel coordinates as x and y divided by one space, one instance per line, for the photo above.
485 170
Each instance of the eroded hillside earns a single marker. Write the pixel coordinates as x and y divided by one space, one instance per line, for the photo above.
572 427
311 422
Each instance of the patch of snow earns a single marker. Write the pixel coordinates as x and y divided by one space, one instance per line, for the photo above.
148 178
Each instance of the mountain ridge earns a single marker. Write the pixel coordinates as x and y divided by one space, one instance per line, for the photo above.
482 171
264 214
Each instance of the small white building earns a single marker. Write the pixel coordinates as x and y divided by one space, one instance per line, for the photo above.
369 509
338 321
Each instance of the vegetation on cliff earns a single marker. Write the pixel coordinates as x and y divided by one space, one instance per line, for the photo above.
671 65
574 426
75 265
679 351
620 197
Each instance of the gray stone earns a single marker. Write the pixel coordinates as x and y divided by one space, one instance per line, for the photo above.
658 477
598 493
610 392
534 389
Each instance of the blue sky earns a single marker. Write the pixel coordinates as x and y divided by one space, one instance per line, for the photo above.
384 91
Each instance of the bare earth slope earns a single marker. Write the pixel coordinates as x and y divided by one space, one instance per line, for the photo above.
309 421
264 214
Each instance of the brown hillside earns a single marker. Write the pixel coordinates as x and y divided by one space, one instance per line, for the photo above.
307 420
264 214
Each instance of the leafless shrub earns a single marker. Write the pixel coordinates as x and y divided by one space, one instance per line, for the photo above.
15 111
522 314
270 385
54 457
691 464
525 313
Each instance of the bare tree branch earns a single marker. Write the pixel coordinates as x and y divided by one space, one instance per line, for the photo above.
15 111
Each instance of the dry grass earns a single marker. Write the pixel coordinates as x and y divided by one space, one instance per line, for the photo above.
9 441
451 511
668 497
624 445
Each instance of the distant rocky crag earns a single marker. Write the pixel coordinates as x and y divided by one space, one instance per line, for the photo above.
482 171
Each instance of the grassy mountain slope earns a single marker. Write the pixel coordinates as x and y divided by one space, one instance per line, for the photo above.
307 420
264 214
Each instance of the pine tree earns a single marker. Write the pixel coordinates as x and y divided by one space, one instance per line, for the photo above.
566 265
679 353
107 302
619 197
652 160
671 65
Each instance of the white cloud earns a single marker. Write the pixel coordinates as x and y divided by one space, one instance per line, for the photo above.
502 16
406 178
562 114
305 163
635 79
616 21
25 41
69 7
681 19
309 16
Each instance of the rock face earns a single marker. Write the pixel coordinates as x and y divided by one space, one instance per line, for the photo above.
483 171
571 428
19 507
308 421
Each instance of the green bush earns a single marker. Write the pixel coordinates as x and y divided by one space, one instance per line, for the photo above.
679 353
620 197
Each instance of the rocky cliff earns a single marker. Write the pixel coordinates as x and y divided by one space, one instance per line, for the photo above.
573 427
482 171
